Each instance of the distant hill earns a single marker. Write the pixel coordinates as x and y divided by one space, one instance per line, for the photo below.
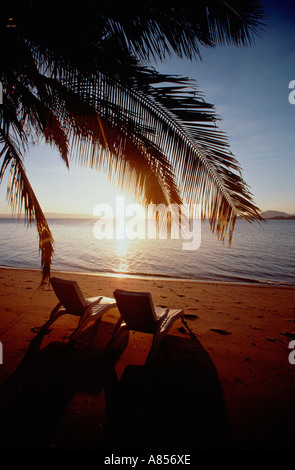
53 215
268 215
57 215
277 215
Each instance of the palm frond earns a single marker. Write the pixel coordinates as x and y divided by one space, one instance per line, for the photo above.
21 197
182 126
157 30
149 29
153 134
167 130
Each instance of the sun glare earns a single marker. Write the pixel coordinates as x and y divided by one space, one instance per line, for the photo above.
122 247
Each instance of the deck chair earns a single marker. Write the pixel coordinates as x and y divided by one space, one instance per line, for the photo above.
138 313
71 298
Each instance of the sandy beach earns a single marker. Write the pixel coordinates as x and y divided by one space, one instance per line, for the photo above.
221 380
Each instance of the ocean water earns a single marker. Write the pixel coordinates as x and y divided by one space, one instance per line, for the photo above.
258 253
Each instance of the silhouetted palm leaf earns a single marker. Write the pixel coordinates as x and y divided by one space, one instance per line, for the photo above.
21 196
73 78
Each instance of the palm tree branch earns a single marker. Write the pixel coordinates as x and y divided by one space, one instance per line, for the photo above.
20 195
102 141
196 149
201 151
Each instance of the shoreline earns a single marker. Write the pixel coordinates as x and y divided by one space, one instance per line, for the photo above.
164 277
232 362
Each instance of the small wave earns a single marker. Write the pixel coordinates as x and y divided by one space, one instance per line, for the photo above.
158 276
254 258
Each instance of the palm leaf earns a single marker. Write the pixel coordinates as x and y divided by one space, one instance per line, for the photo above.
182 126
149 29
153 29
164 131
21 196
153 134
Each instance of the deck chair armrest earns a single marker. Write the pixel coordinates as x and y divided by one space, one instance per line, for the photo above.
88 309
161 318
96 301
163 315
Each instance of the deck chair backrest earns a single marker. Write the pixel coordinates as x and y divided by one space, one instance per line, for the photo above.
137 310
69 294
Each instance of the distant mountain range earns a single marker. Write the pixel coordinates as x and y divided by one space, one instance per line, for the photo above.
277 215
268 215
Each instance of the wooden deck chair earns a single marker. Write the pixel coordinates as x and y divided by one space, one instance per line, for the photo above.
139 313
71 299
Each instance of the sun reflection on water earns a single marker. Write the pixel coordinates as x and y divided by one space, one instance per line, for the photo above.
122 247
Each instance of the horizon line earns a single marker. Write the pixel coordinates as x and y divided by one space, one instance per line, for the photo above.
65 215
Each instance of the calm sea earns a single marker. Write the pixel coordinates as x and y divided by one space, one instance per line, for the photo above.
257 254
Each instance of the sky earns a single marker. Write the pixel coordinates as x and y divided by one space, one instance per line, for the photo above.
249 88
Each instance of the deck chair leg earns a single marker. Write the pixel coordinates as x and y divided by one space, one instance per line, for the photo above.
83 323
154 348
51 320
75 332
53 316
116 332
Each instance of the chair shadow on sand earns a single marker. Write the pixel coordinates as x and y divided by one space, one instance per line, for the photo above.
34 398
175 402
